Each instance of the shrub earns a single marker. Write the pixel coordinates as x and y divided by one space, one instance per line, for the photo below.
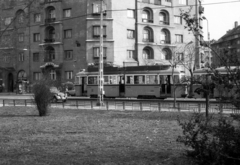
42 98
214 140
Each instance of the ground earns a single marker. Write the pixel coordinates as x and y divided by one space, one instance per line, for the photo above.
88 137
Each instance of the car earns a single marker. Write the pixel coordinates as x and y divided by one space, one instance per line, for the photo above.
57 95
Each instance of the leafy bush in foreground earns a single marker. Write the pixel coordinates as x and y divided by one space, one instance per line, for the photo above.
215 141
42 98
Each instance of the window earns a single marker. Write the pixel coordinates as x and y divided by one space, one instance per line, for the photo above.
69 75
130 13
8 20
180 56
96 52
35 57
96 31
37 75
20 57
130 34
148 53
21 17
151 79
145 1
92 80
165 37
147 16
164 18
51 13
68 33
177 19
182 2
167 54
97 8
37 17
147 35
179 38
68 54
140 79
53 75
20 37
36 37
67 13
130 54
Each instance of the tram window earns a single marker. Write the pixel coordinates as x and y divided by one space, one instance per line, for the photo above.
129 80
106 80
151 79
176 79
77 80
113 79
139 79
92 80
162 79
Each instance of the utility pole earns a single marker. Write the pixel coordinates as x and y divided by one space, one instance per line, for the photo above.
197 38
101 78
29 47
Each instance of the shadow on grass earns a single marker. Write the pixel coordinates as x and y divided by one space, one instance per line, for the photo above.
21 116
150 115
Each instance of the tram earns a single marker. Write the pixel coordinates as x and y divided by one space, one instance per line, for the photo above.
219 90
129 82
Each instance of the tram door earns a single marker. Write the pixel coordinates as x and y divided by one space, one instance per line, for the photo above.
165 81
121 86
84 86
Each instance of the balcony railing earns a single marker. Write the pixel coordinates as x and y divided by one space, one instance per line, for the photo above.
49 40
50 20
164 22
165 42
147 20
147 39
52 1
48 59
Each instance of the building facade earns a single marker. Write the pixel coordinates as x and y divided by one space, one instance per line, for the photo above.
61 37
227 48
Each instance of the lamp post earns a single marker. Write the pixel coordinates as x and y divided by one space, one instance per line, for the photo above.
101 78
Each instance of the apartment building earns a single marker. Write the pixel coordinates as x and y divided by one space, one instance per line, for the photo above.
61 37
227 48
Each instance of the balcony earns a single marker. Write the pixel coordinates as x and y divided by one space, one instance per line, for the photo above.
52 1
165 42
47 59
163 22
147 20
50 20
147 40
49 40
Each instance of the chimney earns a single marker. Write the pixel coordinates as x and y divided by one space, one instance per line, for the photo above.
235 24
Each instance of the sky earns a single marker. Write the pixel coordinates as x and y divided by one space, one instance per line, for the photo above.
221 17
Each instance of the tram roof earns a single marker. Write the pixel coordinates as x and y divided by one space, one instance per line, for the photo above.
221 70
156 69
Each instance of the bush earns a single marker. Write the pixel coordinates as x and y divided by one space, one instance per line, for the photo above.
213 140
42 98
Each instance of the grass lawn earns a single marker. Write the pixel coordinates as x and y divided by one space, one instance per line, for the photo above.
89 137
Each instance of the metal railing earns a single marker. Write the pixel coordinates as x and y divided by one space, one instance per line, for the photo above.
132 105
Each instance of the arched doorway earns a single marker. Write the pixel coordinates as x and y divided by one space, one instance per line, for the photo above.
10 82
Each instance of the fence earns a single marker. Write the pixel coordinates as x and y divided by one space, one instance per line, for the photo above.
132 105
